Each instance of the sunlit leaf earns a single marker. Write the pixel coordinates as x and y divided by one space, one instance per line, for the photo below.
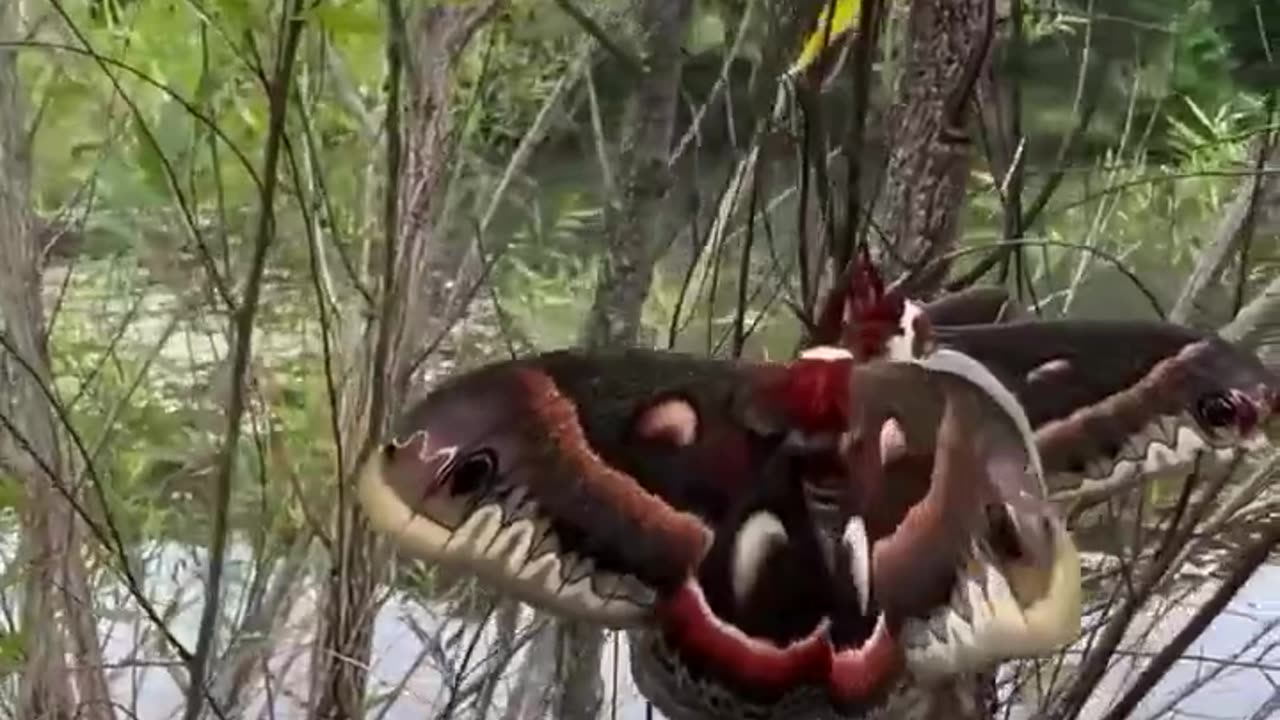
834 21
1198 113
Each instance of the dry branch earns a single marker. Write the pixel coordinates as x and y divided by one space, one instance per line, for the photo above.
471 271
1245 565
292 24
1255 196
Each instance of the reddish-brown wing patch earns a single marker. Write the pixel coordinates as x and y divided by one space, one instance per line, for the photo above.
624 507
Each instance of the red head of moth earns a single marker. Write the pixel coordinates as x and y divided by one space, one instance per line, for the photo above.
860 313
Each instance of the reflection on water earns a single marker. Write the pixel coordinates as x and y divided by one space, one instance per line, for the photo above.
1232 672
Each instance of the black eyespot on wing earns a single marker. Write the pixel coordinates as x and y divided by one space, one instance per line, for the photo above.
1216 410
473 472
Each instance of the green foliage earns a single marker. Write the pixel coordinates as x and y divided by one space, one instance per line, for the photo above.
1251 30
1148 53
507 75
151 404
13 654
10 496
348 18
549 274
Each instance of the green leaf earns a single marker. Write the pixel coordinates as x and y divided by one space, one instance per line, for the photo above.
238 12
12 649
10 493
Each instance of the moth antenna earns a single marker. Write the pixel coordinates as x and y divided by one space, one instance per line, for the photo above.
859 313
873 313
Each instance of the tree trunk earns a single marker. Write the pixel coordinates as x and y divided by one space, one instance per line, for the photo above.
57 607
634 221
947 43
385 354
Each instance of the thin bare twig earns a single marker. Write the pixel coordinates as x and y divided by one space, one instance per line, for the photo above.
292 22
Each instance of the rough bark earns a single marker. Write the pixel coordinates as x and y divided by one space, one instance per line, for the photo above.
634 220
436 36
384 353
57 607
444 272
947 43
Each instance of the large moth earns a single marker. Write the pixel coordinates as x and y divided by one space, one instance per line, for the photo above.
806 537
767 556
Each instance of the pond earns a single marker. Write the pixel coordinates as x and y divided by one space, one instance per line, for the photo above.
1232 673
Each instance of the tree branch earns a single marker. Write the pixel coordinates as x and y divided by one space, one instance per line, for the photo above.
1259 191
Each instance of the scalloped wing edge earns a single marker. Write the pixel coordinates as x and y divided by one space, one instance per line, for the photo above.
998 627
500 551
994 625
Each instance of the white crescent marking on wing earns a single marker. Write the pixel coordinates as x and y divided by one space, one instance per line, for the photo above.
498 548
957 363
757 537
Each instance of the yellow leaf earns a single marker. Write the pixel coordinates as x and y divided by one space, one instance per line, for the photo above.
843 14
